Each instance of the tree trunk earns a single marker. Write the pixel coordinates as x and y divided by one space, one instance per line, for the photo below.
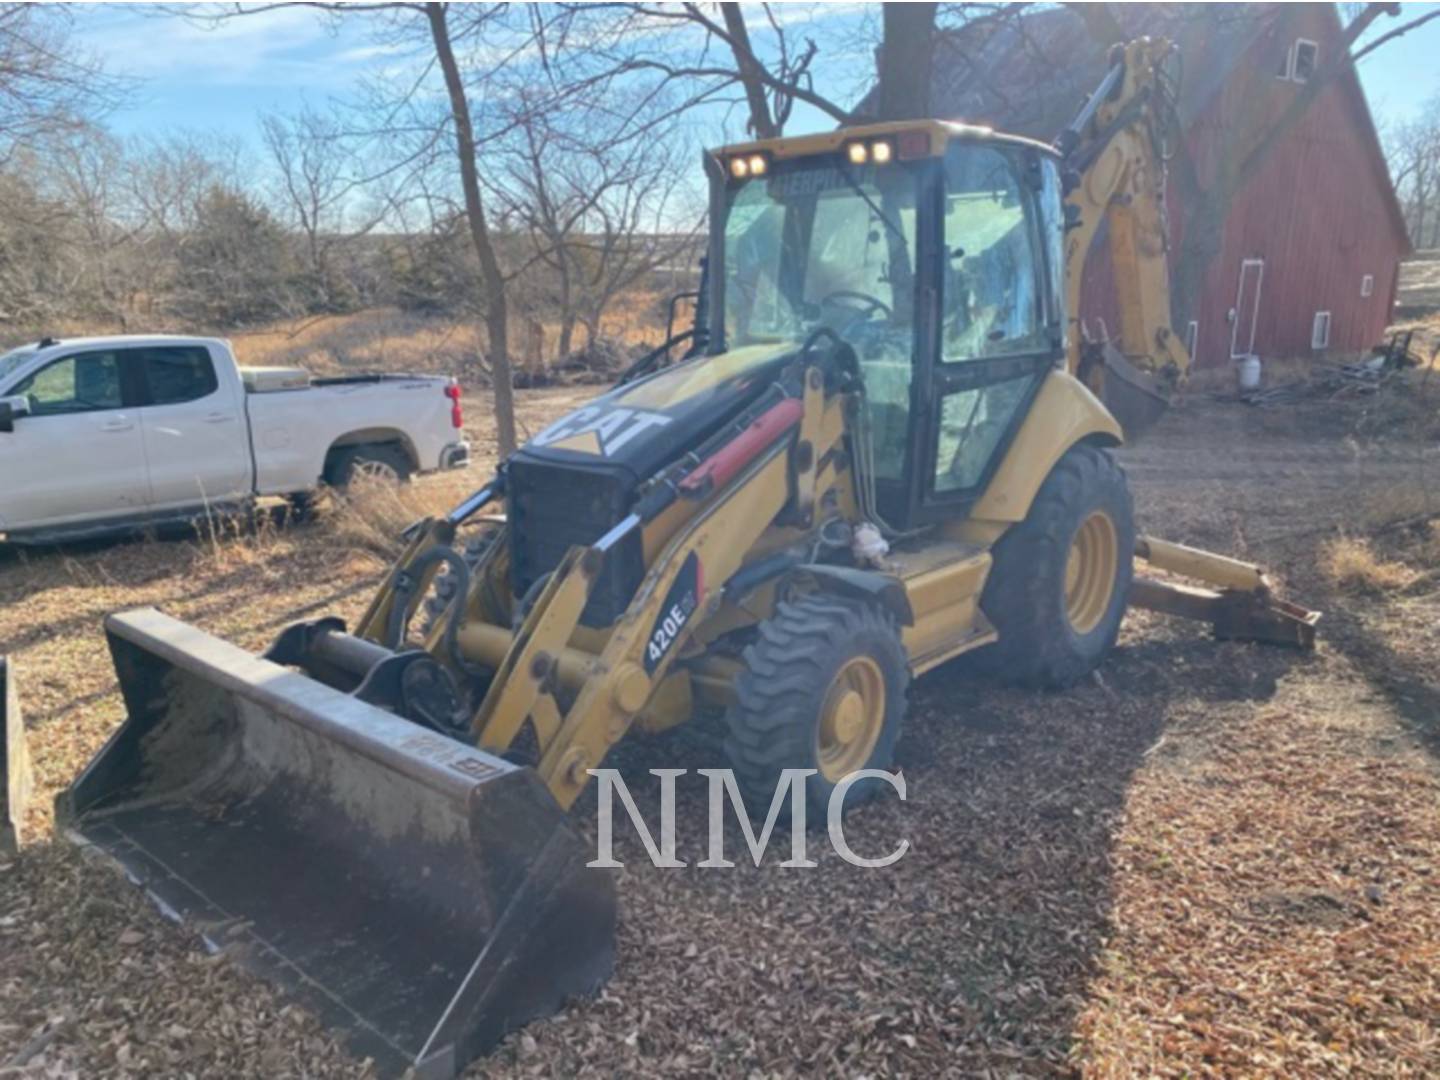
761 122
907 54
1421 206
1204 235
492 279
567 310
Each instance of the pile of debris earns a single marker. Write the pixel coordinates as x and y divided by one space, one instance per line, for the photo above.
598 363
1330 380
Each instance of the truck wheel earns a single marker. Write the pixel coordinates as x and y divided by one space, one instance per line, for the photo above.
824 689
380 463
1058 587
442 588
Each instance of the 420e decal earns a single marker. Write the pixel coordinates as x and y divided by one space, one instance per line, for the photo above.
680 603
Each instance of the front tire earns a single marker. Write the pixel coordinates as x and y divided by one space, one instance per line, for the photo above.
823 688
1058 587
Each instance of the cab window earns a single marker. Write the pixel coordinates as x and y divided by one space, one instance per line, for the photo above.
87 382
174 375
993 266
996 331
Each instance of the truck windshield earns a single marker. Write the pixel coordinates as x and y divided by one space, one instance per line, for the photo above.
10 362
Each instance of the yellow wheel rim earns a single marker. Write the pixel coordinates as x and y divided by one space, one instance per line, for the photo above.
851 718
1090 572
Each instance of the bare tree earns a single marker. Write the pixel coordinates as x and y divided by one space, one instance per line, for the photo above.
38 263
319 176
86 171
452 32
600 190
492 279
1413 150
46 83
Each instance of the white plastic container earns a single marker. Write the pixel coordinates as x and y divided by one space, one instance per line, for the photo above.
1247 373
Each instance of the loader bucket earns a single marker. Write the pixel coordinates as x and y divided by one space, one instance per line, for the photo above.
14 762
422 897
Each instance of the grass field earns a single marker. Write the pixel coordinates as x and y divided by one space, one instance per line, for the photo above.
1214 859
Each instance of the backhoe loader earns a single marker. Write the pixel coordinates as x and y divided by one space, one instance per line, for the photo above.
885 446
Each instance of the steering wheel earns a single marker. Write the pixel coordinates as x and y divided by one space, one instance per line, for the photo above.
870 303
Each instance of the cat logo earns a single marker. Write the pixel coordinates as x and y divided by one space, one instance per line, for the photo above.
598 429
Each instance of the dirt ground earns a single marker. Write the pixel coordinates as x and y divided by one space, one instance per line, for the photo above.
1215 859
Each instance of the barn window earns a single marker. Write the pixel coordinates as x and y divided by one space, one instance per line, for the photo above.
1307 55
1192 338
1367 285
1320 331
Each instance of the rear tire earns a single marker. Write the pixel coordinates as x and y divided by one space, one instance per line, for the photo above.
823 688
380 462
1058 588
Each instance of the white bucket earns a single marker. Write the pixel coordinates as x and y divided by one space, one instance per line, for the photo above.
1247 372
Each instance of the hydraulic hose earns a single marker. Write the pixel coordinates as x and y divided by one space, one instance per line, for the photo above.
398 624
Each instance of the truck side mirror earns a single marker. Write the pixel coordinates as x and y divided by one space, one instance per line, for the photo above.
10 409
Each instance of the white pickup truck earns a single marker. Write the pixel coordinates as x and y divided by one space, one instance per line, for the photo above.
107 433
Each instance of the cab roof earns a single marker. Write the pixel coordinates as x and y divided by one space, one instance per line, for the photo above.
941 133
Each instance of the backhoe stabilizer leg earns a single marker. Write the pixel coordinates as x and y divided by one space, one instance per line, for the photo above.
1237 601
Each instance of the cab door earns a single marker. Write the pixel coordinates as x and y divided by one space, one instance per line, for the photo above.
193 421
1001 327
77 454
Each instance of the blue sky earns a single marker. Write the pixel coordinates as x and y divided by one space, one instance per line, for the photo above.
220 80
1402 75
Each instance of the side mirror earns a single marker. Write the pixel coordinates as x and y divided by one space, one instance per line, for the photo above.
10 409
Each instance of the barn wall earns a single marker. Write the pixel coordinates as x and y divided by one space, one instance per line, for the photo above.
1317 213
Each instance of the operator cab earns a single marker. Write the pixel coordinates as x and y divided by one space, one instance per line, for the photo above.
935 250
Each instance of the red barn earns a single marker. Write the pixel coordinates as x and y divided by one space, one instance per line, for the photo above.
1309 260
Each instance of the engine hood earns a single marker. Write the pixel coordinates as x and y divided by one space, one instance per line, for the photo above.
643 426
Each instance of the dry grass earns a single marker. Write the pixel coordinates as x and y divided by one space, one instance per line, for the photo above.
1351 563
382 339
387 339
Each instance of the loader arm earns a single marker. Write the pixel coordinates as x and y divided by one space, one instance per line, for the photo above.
684 585
1113 152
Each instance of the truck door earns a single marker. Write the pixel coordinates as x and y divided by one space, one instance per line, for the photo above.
77 454
194 426
999 321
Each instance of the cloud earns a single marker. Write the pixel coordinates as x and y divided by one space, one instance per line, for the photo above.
282 46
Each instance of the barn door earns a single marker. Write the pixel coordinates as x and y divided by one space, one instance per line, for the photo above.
1247 308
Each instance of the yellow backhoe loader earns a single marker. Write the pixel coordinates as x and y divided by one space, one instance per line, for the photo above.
886 446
